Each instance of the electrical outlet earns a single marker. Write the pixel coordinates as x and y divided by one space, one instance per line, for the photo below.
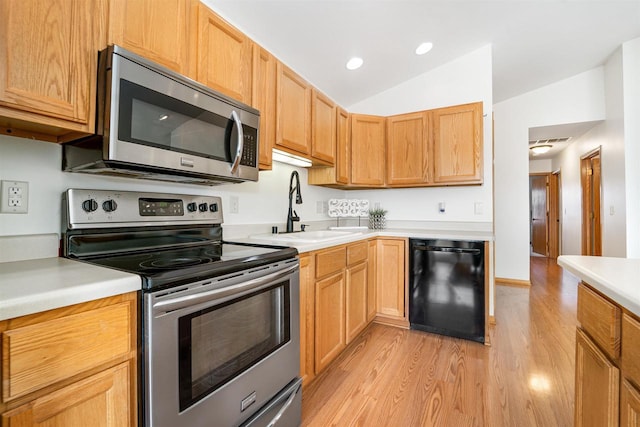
477 208
234 203
14 197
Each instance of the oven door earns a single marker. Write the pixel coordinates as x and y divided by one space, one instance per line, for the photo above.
217 351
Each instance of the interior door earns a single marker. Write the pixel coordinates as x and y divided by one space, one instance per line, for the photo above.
591 217
538 185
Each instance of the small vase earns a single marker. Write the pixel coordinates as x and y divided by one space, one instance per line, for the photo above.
377 222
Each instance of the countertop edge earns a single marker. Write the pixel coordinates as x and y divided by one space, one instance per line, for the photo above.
611 287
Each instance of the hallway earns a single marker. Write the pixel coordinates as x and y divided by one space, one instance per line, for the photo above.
395 377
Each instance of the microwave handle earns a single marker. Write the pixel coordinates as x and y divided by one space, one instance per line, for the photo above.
236 161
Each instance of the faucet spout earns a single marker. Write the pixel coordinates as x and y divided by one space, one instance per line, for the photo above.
291 214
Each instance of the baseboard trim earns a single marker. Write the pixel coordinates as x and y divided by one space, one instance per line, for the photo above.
512 282
391 321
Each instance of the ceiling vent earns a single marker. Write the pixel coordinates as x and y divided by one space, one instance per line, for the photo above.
549 141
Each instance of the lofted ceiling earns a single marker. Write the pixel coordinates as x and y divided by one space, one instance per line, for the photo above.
534 43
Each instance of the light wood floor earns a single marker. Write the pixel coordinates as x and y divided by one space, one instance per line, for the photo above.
395 377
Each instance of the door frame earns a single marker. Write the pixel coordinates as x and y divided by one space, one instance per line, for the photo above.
554 220
591 197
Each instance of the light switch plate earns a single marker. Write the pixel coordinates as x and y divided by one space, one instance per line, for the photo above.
14 197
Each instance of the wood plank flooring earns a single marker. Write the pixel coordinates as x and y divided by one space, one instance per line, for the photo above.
395 377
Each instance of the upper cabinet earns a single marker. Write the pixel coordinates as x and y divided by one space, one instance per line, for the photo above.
367 150
263 98
293 114
49 54
224 56
340 174
160 30
408 149
457 144
323 128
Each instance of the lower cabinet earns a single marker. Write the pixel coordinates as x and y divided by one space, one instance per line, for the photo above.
607 362
74 366
344 288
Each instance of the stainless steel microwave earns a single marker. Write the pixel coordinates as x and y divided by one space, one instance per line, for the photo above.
153 123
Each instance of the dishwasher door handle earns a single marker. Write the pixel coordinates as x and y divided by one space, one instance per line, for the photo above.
446 249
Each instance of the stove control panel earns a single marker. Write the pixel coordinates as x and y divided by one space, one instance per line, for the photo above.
105 208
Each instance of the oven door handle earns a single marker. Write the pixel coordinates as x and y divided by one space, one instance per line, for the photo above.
241 288
284 408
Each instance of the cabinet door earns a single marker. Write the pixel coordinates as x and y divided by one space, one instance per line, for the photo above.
49 54
371 281
323 129
307 318
457 144
293 128
391 278
100 400
408 149
629 405
597 386
367 150
330 320
160 30
224 56
343 146
356 293
264 99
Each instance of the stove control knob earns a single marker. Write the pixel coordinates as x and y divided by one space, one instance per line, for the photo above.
192 207
203 207
109 205
213 207
89 205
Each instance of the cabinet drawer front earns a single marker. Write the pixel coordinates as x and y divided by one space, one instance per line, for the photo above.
631 348
600 319
330 261
357 252
39 355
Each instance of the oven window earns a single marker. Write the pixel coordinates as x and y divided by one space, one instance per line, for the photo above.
151 118
219 343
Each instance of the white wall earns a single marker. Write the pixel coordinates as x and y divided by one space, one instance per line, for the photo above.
631 83
540 166
577 99
466 79
39 163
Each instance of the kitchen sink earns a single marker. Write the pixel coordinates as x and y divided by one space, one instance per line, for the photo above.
306 236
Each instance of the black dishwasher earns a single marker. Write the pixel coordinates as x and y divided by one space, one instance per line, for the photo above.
446 294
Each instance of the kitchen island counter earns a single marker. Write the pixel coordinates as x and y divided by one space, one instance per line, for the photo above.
616 278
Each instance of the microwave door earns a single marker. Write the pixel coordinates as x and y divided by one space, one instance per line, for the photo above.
234 134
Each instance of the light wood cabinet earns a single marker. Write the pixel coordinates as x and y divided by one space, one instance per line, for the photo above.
390 281
408 149
293 112
367 150
72 366
323 129
457 144
163 31
224 56
371 279
49 54
330 337
597 382
307 318
357 276
263 98
338 175
607 362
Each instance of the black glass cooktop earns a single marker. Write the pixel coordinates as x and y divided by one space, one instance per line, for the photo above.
175 266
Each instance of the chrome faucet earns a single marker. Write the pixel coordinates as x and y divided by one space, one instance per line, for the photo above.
293 215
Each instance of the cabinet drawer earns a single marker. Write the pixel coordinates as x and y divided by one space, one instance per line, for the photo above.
330 261
357 252
600 319
39 355
631 348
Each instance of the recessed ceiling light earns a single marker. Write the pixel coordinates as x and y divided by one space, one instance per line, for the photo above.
424 48
354 63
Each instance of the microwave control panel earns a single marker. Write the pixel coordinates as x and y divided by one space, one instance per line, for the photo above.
250 150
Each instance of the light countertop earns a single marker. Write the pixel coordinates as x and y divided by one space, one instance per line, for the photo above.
617 278
357 235
37 285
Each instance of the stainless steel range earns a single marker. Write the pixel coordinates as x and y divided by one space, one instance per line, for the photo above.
220 321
